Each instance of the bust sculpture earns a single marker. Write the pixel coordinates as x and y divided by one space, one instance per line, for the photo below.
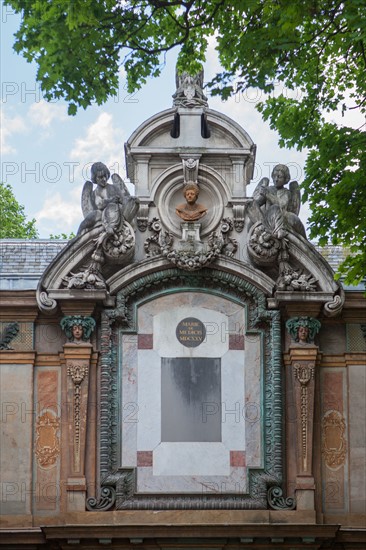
191 210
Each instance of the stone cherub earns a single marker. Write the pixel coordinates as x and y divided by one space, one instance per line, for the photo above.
276 206
191 210
108 205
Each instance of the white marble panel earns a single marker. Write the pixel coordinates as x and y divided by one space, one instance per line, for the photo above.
235 483
191 459
166 342
237 321
232 395
144 320
253 412
129 410
216 303
149 400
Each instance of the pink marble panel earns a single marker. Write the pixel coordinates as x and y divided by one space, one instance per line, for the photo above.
236 341
48 476
334 476
144 458
237 459
145 341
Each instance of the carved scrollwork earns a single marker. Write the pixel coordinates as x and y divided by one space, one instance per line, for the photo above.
277 501
47 439
105 501
304 374
333 308
263 248
195 255
116 247
119 246
190 169
46 303
267 248
334 445
88 278
77 373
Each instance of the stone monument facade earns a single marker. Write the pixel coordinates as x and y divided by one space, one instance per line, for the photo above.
197 383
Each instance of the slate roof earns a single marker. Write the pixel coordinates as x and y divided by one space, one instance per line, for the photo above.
22 262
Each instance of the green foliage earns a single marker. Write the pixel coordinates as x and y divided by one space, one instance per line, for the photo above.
316 48
62 236
13 221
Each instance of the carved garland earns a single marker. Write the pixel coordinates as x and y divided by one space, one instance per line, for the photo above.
117 485
303 374
161 242
265 249
77 373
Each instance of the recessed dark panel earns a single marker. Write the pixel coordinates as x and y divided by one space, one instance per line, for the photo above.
190 399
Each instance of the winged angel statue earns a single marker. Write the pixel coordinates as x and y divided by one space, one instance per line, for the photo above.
110 207
276 206
274 213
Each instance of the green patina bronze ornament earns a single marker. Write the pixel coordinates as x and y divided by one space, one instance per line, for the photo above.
77 327
303 329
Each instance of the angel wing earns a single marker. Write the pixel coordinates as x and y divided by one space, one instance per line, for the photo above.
295 198
87 199
130 204
120 187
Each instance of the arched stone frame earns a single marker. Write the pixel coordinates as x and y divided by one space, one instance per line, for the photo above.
117 486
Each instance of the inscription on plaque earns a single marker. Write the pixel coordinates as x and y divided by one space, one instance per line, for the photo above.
191 332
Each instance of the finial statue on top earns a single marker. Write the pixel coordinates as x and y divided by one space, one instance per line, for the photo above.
191 210
109 205
189 91
276 206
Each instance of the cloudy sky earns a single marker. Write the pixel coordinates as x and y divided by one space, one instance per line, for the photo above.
46 155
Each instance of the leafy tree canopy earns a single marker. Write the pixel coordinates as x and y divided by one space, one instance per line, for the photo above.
13 221
316 47
62 236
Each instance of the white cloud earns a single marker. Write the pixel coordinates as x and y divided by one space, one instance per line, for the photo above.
102 142
43 113
9 126
59 215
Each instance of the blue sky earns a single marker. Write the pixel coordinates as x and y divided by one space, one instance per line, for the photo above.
46 154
